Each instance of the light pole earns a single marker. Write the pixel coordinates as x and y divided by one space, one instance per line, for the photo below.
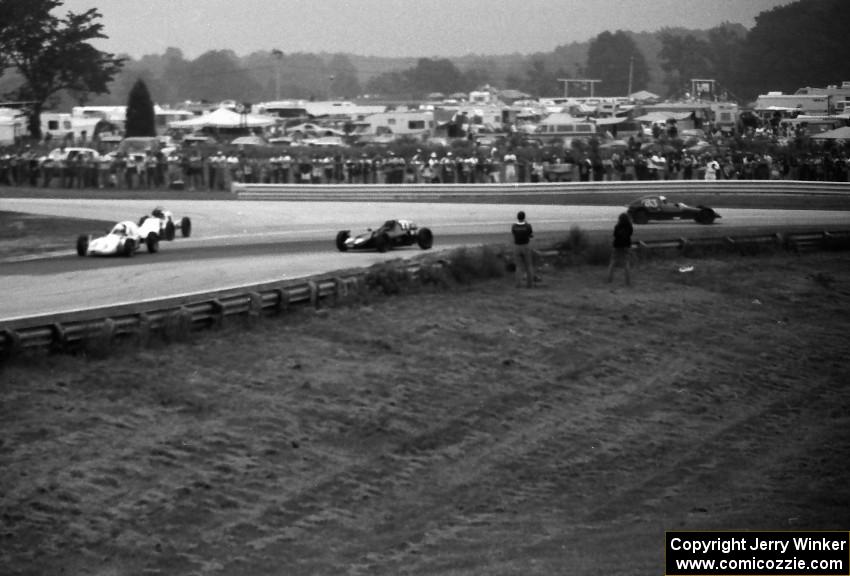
279 57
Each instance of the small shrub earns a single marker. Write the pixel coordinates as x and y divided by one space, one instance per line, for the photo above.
597 253
469 264
387 279
434 274
576 242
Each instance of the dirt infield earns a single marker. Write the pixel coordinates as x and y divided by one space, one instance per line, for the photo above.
485 430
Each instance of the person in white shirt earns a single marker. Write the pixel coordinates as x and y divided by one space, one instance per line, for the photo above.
711 168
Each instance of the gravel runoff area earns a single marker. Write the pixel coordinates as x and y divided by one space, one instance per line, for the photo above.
477 430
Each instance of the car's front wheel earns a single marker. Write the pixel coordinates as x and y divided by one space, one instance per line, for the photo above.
169 230
382 243
185 227
82 245
341 237
129 247
425 238
705 217
152 242
640 217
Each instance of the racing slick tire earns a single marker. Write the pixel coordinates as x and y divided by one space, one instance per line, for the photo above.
705 216
128 248
341 237
169 230
82 245
382 243
185 227
152 242
640 217
425 238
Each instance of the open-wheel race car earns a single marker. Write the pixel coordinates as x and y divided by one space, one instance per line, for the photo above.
163 223
391 234
649 208
124 239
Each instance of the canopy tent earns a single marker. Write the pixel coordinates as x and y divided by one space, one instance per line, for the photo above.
614 144
659 116
249 141
224 118
842 133
561 118
642 95
609 120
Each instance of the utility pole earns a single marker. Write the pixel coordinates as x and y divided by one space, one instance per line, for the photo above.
631 74
279 57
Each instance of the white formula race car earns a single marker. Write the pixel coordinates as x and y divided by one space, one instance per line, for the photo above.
163 223
124 239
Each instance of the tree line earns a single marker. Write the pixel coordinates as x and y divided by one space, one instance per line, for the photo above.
48 61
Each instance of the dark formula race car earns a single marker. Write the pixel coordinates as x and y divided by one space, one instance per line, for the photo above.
391 234
649 208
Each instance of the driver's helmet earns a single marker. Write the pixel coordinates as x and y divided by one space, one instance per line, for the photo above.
158 212
120 229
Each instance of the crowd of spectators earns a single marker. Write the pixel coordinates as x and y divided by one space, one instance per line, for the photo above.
197 169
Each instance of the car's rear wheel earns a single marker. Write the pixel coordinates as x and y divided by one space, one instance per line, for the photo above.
382 243
185 227
169 230
425 238
705 217
341 237
82 245
152 242
640 217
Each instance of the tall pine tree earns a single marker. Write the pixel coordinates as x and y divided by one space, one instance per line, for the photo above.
140 113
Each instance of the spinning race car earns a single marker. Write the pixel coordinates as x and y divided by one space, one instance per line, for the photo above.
124 239
649 208
162 222
391 234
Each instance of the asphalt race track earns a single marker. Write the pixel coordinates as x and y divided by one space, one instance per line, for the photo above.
237 243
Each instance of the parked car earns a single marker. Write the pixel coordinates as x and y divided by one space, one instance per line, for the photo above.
311 130
163 223
70 153
124 239
391 234
649 208
324 142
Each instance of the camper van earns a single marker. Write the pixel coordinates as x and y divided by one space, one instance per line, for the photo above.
564 127
394 124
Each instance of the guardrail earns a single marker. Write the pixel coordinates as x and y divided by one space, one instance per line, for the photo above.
173 318
431 192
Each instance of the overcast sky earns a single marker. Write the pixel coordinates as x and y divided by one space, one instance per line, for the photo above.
419 28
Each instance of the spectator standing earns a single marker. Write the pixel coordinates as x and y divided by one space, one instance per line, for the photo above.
523 233
622 245
510 161
711 168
